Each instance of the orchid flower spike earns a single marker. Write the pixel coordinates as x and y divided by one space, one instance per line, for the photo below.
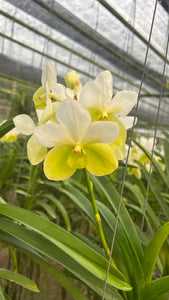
77 143
96 96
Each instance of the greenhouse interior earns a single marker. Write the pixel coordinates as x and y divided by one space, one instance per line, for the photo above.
84 190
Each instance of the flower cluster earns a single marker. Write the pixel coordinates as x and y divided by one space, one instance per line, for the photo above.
137 154
82 126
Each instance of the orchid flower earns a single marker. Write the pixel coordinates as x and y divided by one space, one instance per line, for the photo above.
137 154
25 125
45 109
77 143
96 96
42 97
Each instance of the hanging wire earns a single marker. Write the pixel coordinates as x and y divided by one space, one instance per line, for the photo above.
13 25
45 46
125 171
92 55
154 139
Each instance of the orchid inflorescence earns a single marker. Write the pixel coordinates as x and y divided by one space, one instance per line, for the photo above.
82 126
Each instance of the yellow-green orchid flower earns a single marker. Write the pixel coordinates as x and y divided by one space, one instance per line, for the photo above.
136 154
96 96
77 143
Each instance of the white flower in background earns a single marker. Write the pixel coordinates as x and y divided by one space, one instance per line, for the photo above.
96 96
77 142
42 97
45 109
137 154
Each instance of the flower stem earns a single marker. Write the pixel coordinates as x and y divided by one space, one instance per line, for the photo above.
97 215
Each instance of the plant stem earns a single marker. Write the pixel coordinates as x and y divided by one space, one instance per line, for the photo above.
97 215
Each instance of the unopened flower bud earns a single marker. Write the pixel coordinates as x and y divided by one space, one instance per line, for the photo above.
72 80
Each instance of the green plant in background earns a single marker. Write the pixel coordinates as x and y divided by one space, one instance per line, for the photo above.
89 136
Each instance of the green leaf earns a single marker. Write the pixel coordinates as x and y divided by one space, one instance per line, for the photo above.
135 190
22 235
47 208
19 279
166 156
65 243
156 191
122 251
61 208
152 251
2 200
44 264
106 189
79 199
6 127
2 296
157 289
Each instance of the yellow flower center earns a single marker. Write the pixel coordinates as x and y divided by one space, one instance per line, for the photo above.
77 159
78 149
105 115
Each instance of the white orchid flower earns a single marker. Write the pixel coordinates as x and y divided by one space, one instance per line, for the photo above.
45 109
25 125
43 95
77 142
96 96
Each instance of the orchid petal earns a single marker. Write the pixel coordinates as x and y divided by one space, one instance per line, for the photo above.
39 98
48 75
128 121
36 153
55 164
49 134
90 96
123 102
24 124
74 118
101 159
120 152
122 134
60 91
105 82
47 112
101 132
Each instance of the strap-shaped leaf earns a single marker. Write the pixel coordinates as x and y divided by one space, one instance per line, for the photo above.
158 289
156 191
61 209
106 189
166 156
152 251
30 240
135 190
6 127
67 244
19 279
45 265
